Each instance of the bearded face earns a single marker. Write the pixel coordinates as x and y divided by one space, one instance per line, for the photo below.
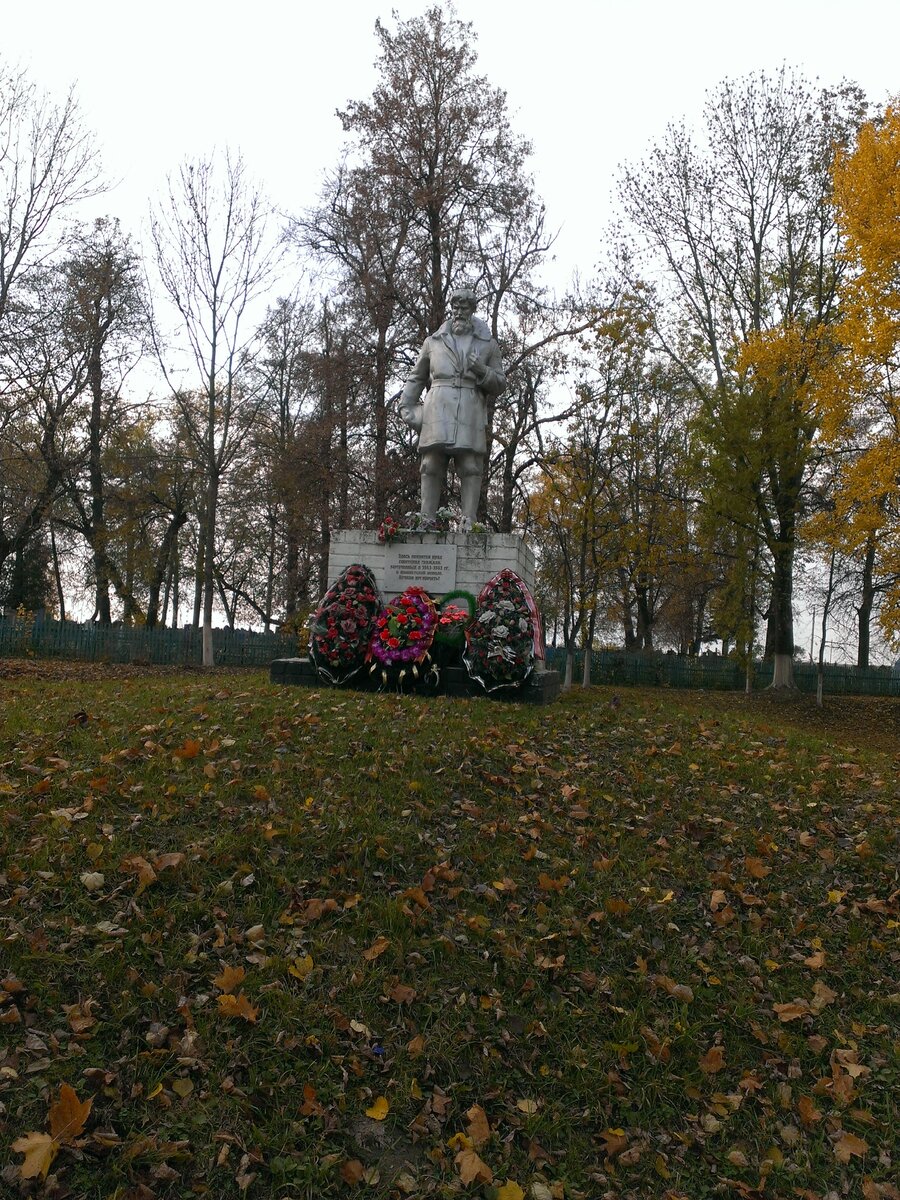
461 319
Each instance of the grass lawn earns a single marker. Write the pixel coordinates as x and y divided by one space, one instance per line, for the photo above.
286 943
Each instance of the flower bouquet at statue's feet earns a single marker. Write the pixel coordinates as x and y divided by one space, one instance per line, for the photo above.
442 522
455 614
341 627
501 641
402 639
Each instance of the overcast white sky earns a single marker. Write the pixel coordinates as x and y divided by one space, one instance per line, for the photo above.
590 82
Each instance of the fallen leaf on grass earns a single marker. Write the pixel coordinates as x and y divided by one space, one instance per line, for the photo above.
79 1016
167 862
472 1169
230 978
379 1109
528 1107
301 967
615 1142
67 1117
378 947
849 1144
352 1171
237 1006
479 1129
808 1112
137 865
68 1114
713 1060
310 1106
39 1150
792 1011
822 996
756 868
402 993
678 991
510 1191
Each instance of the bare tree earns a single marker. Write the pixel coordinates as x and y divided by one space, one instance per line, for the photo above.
48 163
213 258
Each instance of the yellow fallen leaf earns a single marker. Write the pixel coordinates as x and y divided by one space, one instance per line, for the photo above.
39 1150
379 1110
459 1141
301 967
237 1006
230 978
510 1191
528 1107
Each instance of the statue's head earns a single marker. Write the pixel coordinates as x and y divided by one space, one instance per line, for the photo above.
462 301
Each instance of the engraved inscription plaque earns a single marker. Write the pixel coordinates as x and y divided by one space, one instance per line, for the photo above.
430 567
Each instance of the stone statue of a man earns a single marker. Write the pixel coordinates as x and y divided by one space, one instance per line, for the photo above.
460 366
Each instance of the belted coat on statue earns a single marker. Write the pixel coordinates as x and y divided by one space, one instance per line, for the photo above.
453 414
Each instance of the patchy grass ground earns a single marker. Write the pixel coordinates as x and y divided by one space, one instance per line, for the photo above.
303 944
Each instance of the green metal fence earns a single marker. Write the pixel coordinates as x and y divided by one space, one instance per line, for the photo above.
723 674
43 638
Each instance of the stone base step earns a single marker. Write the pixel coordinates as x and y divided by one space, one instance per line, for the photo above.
541 688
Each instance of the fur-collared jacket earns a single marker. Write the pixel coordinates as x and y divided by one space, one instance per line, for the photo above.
453 414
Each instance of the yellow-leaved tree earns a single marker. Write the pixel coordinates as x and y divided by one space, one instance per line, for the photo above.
860 399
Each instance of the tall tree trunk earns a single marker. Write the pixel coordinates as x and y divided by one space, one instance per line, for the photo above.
60 595
209 559
820 673
588 649
161 568
644 617
631 643
270 572
292 567
867 602
99 535
381 483
780 630
199 571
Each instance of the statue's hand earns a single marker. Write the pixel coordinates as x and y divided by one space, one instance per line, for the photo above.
476 366
413 417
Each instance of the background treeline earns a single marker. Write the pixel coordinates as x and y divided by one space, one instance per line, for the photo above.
691 431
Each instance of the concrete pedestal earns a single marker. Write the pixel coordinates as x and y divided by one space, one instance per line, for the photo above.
478 557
